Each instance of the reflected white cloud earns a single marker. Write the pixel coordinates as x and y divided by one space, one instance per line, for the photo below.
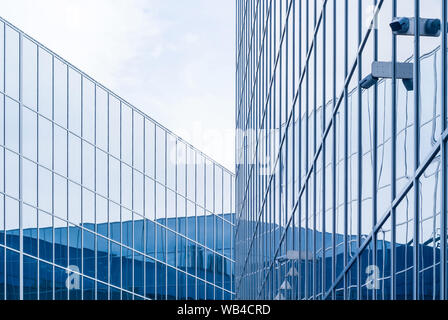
173 59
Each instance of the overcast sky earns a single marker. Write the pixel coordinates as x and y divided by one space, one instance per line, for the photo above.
172 59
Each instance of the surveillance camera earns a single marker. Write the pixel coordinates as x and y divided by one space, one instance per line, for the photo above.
368 82
400 25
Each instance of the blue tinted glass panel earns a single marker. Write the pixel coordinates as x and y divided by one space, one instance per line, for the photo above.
89 254
150 238
181 286
139 269
75 249
12 223
2 273
60 242
29 278
12 275
150 278
139 235
45 281
127 261
88 289
60 284
161 281
115 264
29 226
171 283
102 291
102 259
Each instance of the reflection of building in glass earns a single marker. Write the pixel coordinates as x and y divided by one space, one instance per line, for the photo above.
351 182
204 264
98 201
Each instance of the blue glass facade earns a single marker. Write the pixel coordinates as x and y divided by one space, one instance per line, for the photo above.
341 178
97 200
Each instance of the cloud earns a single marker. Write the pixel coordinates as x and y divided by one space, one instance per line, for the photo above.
174 60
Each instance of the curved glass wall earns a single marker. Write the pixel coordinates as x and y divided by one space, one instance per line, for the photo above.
341 190
97 200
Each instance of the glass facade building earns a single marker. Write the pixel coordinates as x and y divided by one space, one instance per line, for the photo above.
97 200
341 176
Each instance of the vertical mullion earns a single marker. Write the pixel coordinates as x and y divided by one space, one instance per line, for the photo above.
68 161
443 233
314 152
144 210
345 134
394 157
417 146
95 191
4 167
133 209
307 146
360 155
324 145
20 164
52 170
334 153
121 200
82 189
375 148
109 255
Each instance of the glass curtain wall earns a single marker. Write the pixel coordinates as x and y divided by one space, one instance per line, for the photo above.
97 200
341 188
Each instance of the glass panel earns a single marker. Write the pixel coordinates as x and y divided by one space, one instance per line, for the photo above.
12 125
29 65
60 242
45 106
60 93
88 112
74 105
12 223
101 119
12 63
138 144
160 155
29 225
102 256
45 281
29 278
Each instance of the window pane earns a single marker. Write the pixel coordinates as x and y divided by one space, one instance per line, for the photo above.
45 236
101 118
160 154
74 105
29 278
60 197
60 93
138 141
12 174
45 142
12 223
29 66
114 126
60 147
74 169
29 186
88 166
12 63
88 112
12 125
126 134
149 148
29 139
45 84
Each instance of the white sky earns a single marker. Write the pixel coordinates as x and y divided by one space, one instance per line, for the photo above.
172 59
